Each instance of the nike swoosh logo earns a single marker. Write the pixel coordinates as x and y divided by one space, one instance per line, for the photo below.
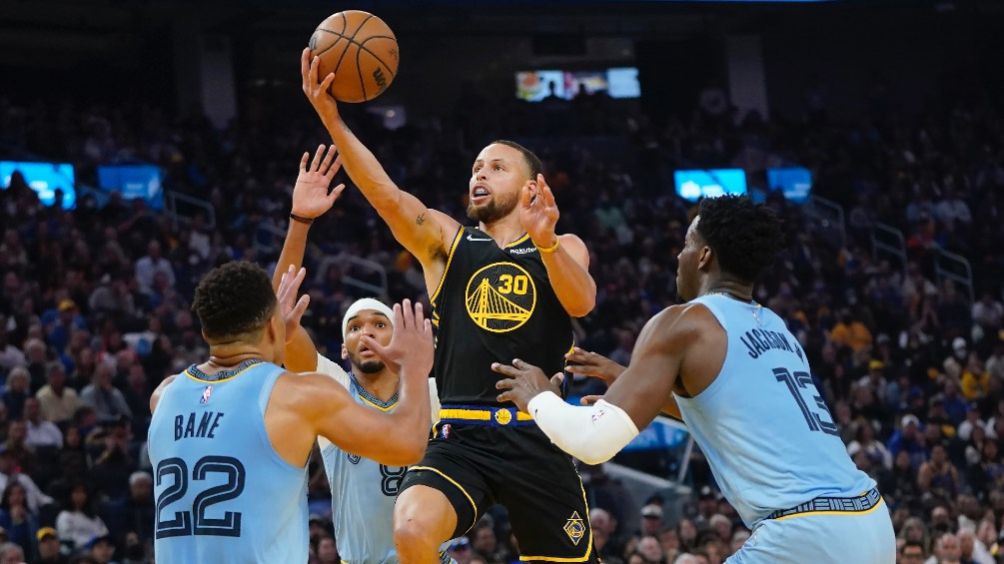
470 238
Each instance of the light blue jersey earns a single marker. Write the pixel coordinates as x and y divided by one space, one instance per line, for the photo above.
363 491
223 493
762 424
362 495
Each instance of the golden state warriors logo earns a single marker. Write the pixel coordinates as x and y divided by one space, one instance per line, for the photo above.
575 528
503 417
501 297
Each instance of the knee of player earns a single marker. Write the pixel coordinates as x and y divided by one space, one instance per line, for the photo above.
411 536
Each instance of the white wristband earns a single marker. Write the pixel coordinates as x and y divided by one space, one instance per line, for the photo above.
593 434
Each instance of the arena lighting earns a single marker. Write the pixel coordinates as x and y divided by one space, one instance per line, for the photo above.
692 185
133 181
44 178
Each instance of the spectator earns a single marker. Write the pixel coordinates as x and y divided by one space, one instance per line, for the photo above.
77 523
485 543
975 379
49 547
604 526
722 526
11 553
16 447
16 391
57 401
988 314
150 265
948 550
40 433
972 422
866 442
908 439
17 519
135 514
107 401
912 552
114 464
739 538
651 519
939 475
651 550
688 534
972 550
102 549
327 552
9 473
851 332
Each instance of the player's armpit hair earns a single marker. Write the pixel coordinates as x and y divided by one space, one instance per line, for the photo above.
746 237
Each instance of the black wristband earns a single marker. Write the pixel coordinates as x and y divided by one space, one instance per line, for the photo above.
301 219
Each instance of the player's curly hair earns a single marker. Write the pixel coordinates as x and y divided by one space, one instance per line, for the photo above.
745 236
233 300
532 160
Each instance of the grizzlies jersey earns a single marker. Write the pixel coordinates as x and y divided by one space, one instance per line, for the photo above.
362 490
493 305
223 494
762 424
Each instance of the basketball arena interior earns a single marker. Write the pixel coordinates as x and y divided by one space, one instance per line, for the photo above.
145 143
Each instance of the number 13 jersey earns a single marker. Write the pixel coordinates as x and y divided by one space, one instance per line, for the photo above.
765 429
223 494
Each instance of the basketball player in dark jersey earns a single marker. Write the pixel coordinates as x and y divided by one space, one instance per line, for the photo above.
502 290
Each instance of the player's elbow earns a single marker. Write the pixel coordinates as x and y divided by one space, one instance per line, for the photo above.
594 459
589 453
583 306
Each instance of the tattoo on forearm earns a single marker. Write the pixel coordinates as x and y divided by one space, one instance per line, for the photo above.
420 219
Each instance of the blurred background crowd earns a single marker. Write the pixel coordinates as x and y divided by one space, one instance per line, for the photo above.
94 303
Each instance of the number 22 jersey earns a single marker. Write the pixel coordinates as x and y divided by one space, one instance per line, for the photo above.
223 494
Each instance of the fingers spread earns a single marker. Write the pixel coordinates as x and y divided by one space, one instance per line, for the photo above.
315 164
505 369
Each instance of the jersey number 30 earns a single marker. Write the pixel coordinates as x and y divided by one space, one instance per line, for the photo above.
195 521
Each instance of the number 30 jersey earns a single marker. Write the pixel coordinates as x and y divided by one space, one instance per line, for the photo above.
494 304
765 429
223 494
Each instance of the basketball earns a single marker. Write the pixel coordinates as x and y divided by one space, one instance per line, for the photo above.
362 52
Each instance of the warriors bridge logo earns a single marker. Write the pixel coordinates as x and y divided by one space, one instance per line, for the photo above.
501 297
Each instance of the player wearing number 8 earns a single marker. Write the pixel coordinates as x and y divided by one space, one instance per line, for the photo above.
742 384
230 438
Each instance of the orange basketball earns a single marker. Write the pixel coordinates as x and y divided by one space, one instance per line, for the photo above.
362 52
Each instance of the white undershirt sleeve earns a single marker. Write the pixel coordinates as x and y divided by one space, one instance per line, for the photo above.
593 434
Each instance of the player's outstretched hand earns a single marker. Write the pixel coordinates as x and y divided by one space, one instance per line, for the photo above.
292 308
593 365
524 382
411 346
538 212
311 198
317 89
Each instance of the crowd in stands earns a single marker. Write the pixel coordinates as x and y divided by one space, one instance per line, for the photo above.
94 301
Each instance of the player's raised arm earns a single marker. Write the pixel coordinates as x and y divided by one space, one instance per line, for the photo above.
398 438
594 434
311 199
565 257
425 233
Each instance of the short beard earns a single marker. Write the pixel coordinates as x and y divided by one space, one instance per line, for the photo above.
493 210
371 366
